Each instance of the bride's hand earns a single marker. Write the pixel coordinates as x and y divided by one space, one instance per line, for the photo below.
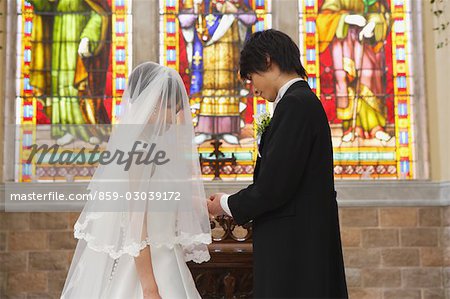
152 295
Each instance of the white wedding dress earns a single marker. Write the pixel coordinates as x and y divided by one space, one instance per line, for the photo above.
171 272
172 275
154 110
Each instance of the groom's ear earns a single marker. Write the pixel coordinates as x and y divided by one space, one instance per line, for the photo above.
268 62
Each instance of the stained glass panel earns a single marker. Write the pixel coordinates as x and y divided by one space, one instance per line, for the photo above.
202 41
357 54
73 59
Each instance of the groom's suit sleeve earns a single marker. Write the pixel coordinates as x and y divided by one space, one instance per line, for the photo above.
283 161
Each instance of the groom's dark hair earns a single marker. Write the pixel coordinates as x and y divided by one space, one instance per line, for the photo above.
276 45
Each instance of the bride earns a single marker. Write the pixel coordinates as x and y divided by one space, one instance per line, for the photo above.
147 218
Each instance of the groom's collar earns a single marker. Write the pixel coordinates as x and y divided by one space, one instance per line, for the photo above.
283 90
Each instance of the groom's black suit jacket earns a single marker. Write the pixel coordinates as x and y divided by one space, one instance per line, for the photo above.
292 202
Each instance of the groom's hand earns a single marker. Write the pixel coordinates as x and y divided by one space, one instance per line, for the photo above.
214 207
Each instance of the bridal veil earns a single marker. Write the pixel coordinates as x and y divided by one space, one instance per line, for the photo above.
160 202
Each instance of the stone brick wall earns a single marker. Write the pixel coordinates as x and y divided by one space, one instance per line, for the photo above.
445 244
390 252
398 252
35 253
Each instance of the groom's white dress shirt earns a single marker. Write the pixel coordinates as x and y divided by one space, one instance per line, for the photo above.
281 92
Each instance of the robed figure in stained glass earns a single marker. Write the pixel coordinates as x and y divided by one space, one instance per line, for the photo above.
355 31
214 31
70 38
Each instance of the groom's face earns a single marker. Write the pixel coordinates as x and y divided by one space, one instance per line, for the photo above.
263 84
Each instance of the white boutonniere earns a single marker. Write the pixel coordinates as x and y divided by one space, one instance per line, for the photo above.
262 122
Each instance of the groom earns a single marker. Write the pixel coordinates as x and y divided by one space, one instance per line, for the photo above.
292 202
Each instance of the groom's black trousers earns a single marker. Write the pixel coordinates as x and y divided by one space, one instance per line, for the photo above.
281 269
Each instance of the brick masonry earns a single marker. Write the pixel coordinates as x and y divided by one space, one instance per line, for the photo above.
389 252
397 252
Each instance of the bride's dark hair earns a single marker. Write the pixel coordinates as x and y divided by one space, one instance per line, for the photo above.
147 69
150 70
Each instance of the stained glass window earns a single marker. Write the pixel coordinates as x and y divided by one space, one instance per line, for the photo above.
72 60
357 54
202 41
